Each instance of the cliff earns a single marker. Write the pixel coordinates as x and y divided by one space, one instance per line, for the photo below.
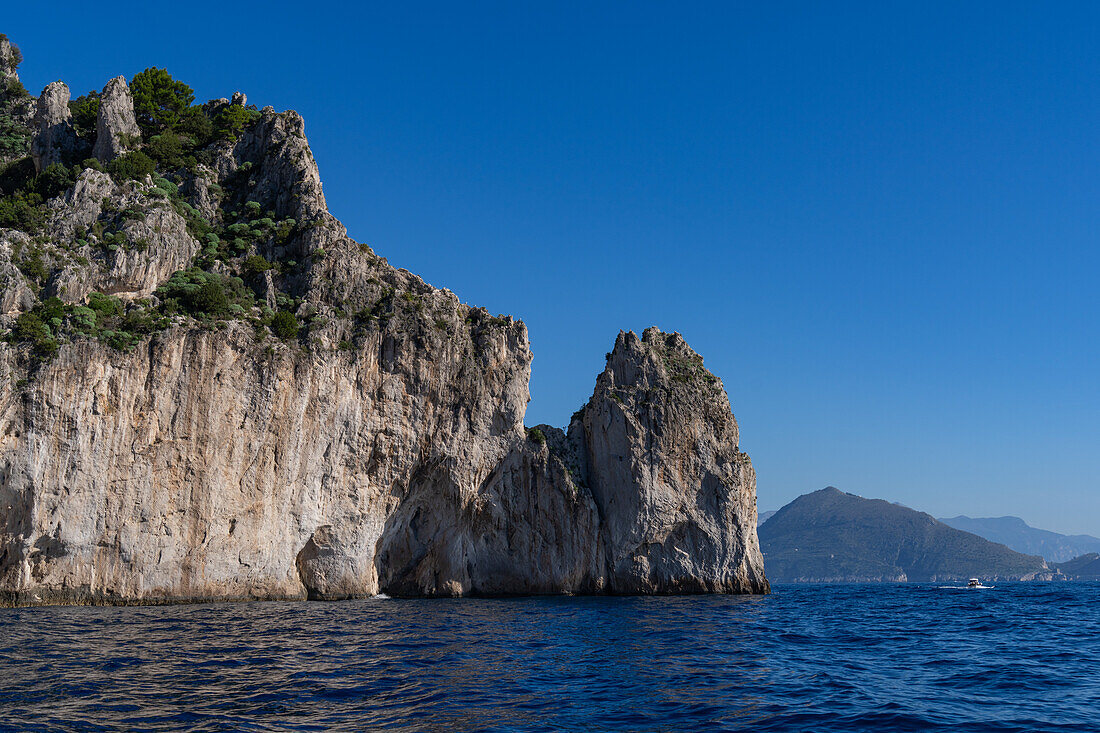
830 536
209 391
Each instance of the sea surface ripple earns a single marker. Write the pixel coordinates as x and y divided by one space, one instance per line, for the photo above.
1018 657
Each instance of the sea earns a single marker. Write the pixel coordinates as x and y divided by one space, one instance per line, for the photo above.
881 657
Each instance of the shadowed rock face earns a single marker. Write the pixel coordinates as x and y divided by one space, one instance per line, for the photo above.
382 451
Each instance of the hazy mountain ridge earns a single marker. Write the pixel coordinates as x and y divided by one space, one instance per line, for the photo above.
832 536
1017 534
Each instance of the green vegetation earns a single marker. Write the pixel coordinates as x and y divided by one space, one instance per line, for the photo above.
256 265
85 111
15 137
23 204
134 165
34 268
169 152
536 436
285 325
23 211
205 294
231 121
160 102
105 317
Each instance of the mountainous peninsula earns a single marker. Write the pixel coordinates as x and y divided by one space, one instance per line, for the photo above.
209 391
1085 567
1015 533
831 536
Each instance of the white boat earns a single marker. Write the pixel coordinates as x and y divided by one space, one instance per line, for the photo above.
973 583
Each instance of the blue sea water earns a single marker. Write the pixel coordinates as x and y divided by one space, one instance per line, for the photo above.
1018 657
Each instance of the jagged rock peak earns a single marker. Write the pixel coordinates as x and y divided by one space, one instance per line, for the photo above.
240 99
10 57
54 137
116 128
676 495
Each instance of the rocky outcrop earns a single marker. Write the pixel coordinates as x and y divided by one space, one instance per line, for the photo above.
380 448
677 497
9 61
116 128
54 137
275 158
155 239
16 294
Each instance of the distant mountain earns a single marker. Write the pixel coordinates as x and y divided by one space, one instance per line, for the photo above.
764 516
1085 567
831 536
1016 533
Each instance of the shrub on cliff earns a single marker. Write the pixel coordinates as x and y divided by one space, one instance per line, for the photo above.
256 265
167 150
196 125
22 211
285 325
134 165
210 299
15 137
52 181
202 293
34 268
104 306
29 328
85 111
231 121
16 90
17 175
160 102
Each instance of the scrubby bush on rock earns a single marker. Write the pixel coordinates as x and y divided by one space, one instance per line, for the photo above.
134 165
285 325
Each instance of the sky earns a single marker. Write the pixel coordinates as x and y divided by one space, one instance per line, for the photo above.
877 222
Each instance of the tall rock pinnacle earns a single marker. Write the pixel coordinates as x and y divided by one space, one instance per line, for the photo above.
115 128
54 137
9 61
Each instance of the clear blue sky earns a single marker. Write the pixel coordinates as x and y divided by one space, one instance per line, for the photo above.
877 224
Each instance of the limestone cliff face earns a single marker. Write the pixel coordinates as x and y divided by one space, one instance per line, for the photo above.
380 448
